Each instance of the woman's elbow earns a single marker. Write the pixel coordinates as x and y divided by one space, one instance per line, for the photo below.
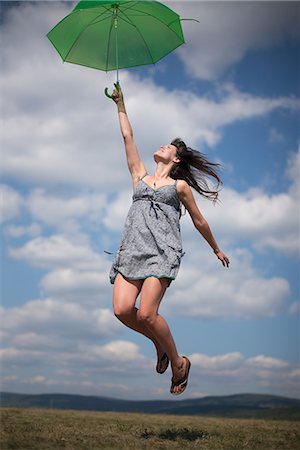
127 136
201 224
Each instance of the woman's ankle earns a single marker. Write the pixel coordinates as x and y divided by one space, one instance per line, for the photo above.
177 362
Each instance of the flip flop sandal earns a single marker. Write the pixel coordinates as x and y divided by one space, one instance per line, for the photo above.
182 383
162 364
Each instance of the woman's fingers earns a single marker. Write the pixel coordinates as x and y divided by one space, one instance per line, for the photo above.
223 258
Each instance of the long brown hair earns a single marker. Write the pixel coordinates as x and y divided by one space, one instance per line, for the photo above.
195 169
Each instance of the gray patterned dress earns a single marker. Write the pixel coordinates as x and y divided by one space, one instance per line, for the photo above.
151 243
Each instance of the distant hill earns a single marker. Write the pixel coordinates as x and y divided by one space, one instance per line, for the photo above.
239 405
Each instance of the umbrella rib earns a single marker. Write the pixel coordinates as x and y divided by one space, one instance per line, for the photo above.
91 23
143 39
156 18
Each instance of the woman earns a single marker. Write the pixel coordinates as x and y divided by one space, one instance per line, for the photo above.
150 253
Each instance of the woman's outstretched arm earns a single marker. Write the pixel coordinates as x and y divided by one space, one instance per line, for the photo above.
186 196
135 164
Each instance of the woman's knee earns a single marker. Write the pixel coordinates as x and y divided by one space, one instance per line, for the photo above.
122 311
147 317
124 297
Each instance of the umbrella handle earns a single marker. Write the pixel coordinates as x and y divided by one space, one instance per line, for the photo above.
106 90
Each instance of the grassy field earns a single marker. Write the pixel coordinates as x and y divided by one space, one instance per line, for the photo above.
40 429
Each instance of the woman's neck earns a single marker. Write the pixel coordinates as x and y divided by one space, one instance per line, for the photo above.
162 171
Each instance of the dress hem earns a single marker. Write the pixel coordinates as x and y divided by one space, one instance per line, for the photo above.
112 280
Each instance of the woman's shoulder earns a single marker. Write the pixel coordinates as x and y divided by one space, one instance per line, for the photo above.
182 185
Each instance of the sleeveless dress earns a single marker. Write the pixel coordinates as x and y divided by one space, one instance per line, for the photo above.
151 242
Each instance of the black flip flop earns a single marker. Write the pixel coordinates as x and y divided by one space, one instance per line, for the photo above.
182 383
162 364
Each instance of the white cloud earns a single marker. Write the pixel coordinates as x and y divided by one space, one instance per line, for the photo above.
228 30
117 211
267 373
253 214
261 217
76 270
275 136
294 308
211 291
49 135
60 133
10 203
59 211
228 362
87 158
53 318
11 355
16 231
295 374
102 365
268 221
267 362
66 134
88 286
58 251
293 172
121 351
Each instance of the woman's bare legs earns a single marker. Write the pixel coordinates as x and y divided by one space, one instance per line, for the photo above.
124 298
151 294
147 321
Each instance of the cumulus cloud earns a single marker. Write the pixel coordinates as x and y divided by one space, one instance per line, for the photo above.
213 45
236 369
204 289
61 211
17 231
117 211
254 214
74 282
101 365
267 362
55 130
61 135
57 251
294 308
77 271
268 221
218 363
11 202
46 128
58 345
55 318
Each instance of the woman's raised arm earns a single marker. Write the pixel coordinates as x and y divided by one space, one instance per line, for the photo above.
135 164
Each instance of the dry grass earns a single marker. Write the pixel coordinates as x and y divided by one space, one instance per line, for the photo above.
40 429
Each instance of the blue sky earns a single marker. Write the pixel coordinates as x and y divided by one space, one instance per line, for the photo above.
231 91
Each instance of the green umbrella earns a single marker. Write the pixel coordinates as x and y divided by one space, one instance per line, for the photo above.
111 35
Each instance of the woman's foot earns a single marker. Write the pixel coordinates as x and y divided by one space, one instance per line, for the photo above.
180 376
162 363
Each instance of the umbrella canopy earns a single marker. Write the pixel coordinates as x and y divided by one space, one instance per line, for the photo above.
109 35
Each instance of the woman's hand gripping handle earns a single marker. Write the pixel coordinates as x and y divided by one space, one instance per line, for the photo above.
117 97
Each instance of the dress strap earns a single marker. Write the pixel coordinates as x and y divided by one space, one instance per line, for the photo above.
143 176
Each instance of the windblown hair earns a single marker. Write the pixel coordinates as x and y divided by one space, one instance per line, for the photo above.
195 169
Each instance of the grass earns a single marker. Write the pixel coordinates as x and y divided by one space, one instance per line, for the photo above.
40 429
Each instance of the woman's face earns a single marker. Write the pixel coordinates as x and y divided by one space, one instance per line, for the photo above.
165 153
